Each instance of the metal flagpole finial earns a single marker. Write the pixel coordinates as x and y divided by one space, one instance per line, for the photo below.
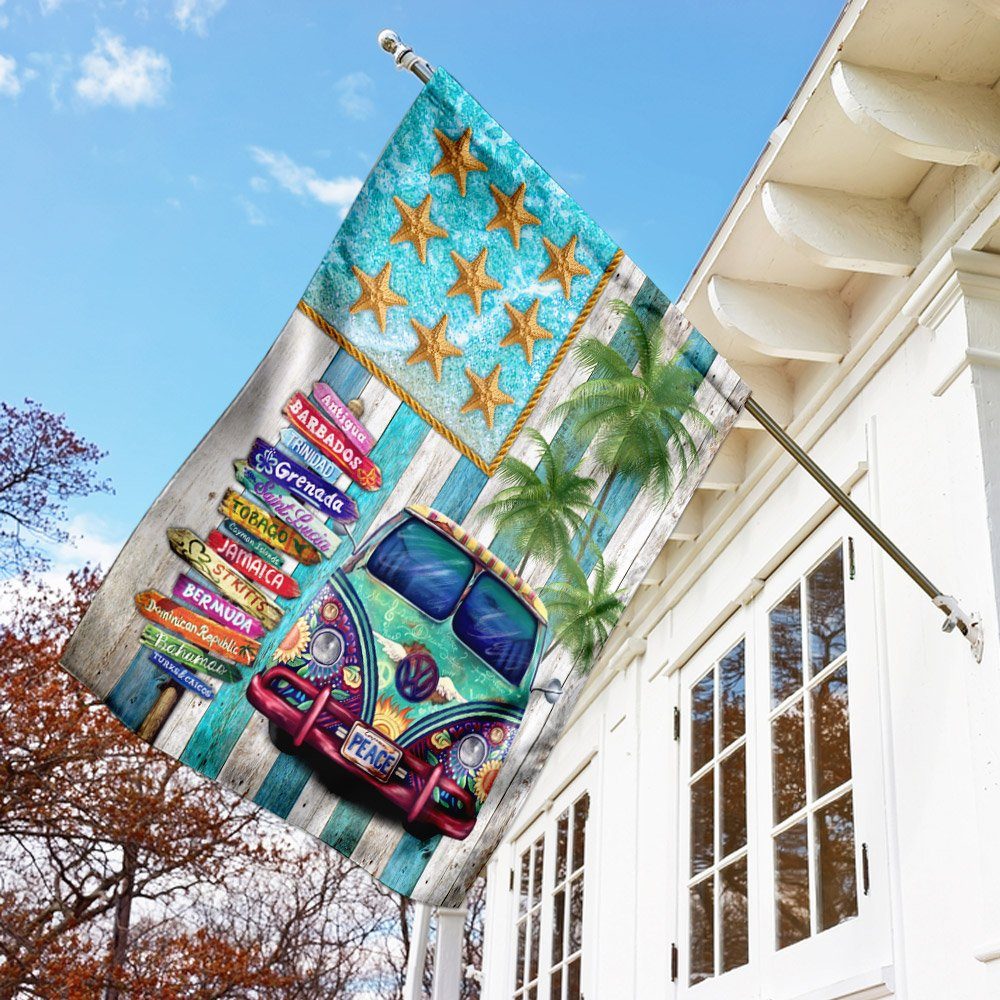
404 56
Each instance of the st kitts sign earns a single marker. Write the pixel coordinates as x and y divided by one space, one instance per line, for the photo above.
332 594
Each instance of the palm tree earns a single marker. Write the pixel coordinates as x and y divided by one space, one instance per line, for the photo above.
541 509
634 418
583 613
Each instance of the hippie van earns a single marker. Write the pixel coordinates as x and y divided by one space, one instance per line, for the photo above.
410 669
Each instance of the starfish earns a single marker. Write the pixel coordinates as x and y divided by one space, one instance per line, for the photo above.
486 394
511 214
456 158
376 295
473 279
563 266
434 346
416 226
525 328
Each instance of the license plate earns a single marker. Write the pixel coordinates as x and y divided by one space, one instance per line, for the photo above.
371 751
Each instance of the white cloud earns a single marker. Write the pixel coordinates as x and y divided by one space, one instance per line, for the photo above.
354 95
254 215
336 191
48 6
116 74
259 184
195 14
10 82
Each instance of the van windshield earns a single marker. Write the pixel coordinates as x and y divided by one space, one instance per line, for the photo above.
423 567
497 627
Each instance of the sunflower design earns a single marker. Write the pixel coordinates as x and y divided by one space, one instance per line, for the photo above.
441 740
295 643
485 777
352 677
389 720
497 735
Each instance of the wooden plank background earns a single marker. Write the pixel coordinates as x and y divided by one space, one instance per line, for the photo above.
225 738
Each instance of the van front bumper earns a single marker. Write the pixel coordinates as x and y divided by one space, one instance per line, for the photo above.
325 725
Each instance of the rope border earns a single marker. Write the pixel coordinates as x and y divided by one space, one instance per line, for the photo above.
449 435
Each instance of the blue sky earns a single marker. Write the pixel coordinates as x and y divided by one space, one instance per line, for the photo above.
173 172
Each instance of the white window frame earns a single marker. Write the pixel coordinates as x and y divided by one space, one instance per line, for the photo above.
546 826
862 943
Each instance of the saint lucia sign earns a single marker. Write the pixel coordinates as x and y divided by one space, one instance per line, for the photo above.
355 606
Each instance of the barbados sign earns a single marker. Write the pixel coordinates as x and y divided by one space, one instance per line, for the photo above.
370 558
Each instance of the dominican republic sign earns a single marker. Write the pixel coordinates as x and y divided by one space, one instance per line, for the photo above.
435 494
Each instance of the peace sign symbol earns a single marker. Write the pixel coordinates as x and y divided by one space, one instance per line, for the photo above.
417 675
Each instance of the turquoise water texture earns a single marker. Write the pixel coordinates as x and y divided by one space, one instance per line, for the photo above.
404 170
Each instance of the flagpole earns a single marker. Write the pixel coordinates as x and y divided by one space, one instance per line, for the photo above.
969 625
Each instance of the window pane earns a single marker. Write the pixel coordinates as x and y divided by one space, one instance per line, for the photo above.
838 895
702 823
497 627
562 835
576 915
733 792
558 921
732 695
791 885
827 634
522 904
555 993
536 874
573 981
702 722
422 566
734 924
533 956
789 758
786 647
533 993
831 733
521 931
581 810
702 932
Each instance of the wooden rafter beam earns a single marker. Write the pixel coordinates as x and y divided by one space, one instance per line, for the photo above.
922 117
782 321
840 230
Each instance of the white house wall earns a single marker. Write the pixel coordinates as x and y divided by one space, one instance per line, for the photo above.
908 421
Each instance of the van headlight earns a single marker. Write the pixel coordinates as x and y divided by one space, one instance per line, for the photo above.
326 647
472 750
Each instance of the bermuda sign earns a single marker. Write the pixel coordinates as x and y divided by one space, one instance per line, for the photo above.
486 422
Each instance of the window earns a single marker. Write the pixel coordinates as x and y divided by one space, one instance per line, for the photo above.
549 884
567 901
717 887
529 909
812 803
783 882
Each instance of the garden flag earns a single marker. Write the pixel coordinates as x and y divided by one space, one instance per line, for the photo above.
433 496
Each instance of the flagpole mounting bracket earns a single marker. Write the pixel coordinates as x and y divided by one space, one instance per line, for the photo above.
403 56
968 624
